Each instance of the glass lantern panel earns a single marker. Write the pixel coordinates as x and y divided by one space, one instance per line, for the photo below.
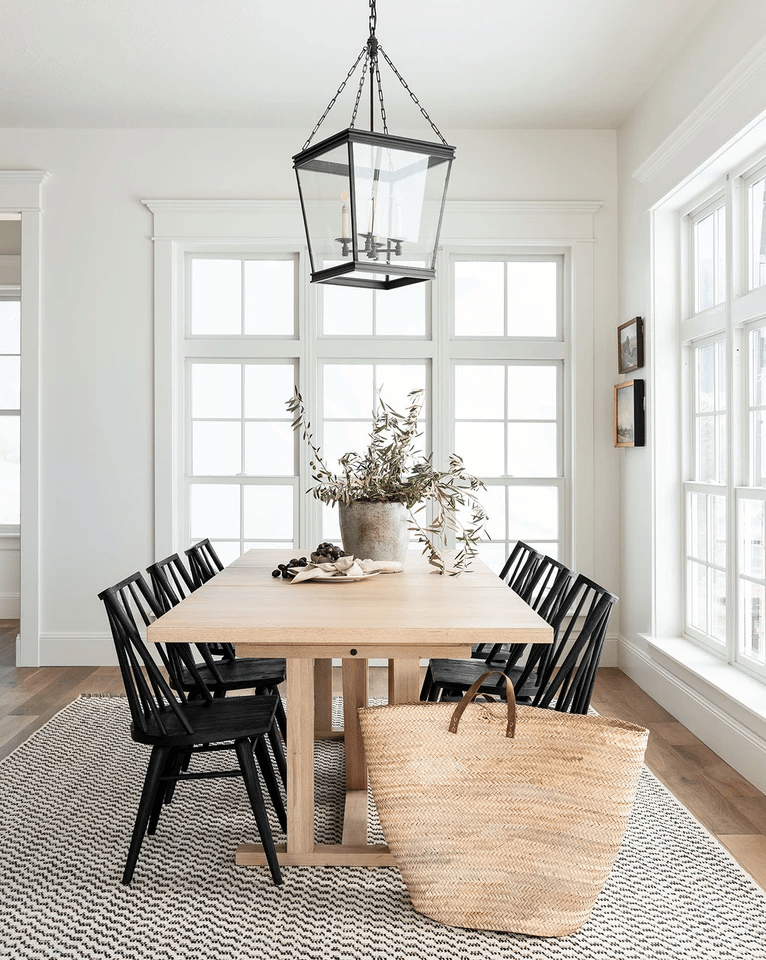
325 190
398 197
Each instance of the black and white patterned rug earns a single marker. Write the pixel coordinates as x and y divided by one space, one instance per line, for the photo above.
68 796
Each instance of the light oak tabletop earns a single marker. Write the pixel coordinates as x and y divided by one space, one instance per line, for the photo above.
384 614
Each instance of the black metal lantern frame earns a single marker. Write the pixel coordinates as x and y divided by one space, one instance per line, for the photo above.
373 203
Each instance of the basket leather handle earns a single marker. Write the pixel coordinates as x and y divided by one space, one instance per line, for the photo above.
510 730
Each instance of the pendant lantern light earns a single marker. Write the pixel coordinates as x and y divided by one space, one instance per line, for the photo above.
372 203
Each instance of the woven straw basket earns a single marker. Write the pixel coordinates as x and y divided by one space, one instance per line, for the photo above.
507 819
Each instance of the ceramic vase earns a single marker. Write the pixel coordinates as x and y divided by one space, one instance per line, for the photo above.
375 531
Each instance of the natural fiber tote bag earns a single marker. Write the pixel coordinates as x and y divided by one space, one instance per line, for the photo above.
502 817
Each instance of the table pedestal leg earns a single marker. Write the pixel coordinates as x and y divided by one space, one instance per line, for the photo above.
355 694
300 849
403 681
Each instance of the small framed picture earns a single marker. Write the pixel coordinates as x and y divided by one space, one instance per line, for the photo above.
630 345
629 414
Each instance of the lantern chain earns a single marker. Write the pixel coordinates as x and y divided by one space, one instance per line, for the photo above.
358 94
370 53
412 95
339 91
380 95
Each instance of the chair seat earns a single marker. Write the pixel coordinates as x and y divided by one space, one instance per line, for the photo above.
241 674
462 674
235 718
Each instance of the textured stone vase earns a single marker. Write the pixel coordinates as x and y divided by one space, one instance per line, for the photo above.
375 531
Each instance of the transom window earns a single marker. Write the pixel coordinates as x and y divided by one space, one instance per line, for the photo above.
709 255
756 229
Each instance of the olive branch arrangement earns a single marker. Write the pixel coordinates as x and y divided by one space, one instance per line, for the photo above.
391 470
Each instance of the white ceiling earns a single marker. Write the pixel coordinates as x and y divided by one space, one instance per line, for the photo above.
276 63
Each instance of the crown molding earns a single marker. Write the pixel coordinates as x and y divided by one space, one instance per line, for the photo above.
588 207
20 189
553 207
738 77
220 206
222 221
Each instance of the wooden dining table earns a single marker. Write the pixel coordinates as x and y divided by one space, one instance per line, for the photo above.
399 617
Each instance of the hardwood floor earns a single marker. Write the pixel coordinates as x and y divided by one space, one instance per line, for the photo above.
730 807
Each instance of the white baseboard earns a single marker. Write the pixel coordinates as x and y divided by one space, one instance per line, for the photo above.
10 606
77 650
610 654
742 748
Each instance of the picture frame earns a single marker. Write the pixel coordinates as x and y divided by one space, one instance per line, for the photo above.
629 414
630 345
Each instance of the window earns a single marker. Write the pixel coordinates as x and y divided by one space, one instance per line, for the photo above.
10 411
724 358
756 229
240 452
246 345
507 426
709 256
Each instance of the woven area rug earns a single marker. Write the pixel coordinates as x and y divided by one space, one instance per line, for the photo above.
67 800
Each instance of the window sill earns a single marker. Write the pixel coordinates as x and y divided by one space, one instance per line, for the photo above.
735 693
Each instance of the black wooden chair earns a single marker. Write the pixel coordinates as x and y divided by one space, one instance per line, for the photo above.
517 573
558 676
204 562
544 591
171 583
174 725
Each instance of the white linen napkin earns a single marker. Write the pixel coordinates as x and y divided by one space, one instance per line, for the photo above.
344 567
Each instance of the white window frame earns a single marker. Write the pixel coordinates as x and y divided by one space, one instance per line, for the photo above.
742 310
566 228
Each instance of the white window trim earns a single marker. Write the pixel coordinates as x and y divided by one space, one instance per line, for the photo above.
182 226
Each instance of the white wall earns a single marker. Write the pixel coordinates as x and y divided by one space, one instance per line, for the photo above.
97 365
715 88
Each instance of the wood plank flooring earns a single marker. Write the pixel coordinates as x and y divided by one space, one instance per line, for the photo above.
730 807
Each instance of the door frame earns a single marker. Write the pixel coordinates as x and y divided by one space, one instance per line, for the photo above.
20 192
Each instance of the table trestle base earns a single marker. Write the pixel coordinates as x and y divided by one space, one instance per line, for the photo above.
323 855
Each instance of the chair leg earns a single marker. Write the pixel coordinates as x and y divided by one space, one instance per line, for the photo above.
250 775
185 761
281 717
277 748
264 762
151 786
169 769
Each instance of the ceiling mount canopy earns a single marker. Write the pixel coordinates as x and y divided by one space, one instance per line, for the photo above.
372 203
